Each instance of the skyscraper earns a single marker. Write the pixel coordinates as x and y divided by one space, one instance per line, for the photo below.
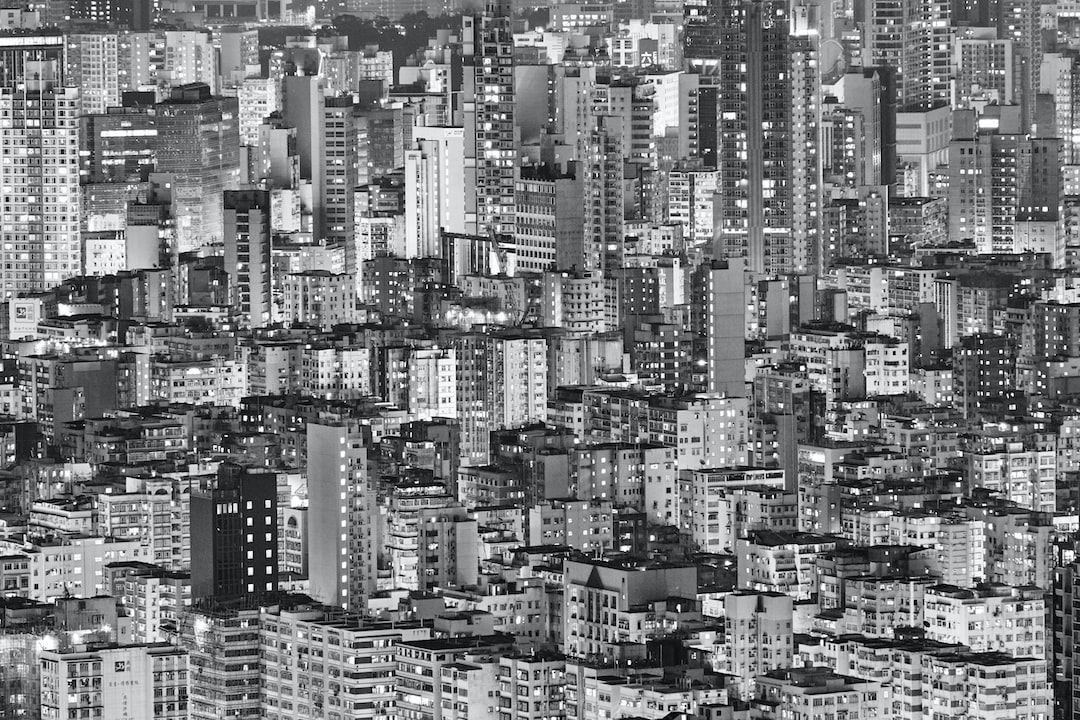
489 115
769 187
725 329
701 36
983 66
328 137
434 188
119 146
998 175
913 38
859 133
1019 21
342 548
502 383
1059 78
92 66
604 195
234 526
39 172
342 171
805 163
549 219
199 145
247 254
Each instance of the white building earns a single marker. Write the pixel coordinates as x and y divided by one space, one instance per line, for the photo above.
580 303
1018 474
157 516
780 562
608 603
197 382
714 526
318 298
72 566
434 188
501 383
314 662
757 637
988 618
134 681
690 203
887 367
334 373
955 546
40 174
819 694
258 98
93 67
432 383
342 545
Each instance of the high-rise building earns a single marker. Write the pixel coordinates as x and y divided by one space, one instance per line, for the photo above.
1059 78
328 137
383 129
21 677
725 329
1020 21
769 189
448 549
93 67
343 171
247 255
604 194
234 524
701 36
984 372
489 116
805 160
276 159
434 188
342 545
128 681
39 172
690 197
199 145
579 302
984 69
119 146
295 687
999 176
758 634
851 146
947 611
601 596
540 676
432 383
502 383
258 98
238 56
129 14
911 37
223 653
420 661
549 219
817 693
190 57
1023 475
